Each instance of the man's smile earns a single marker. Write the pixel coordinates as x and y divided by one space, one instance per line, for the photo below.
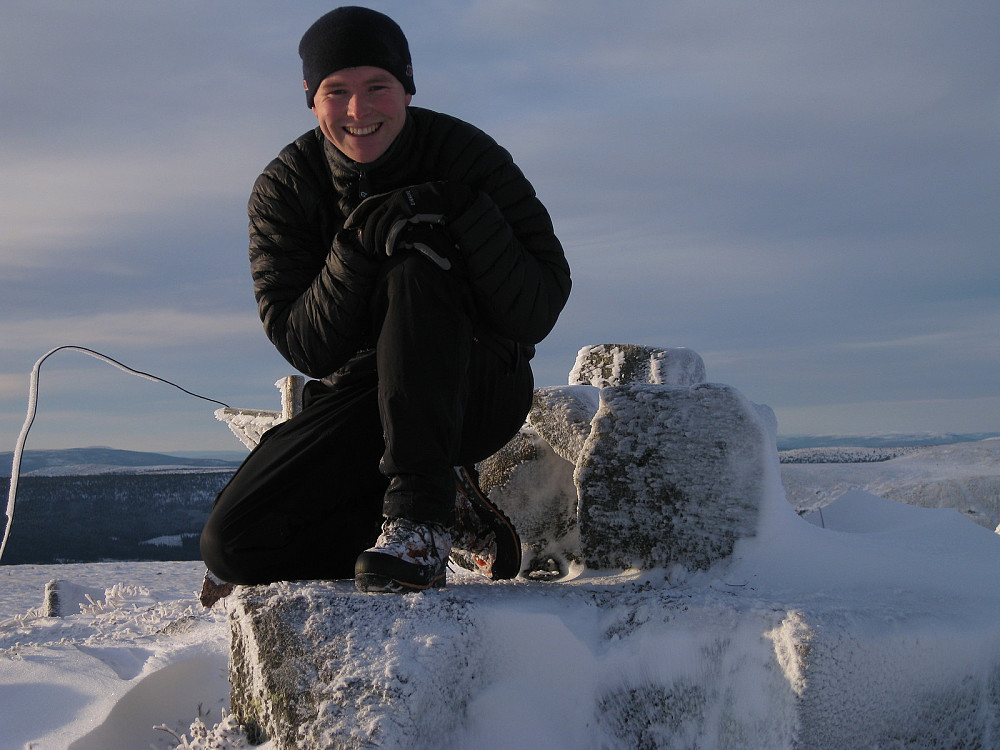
367 130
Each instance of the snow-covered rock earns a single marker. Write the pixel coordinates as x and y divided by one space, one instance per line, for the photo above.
617 364
877 631
319 665
561 415
655 468
671 476
379 670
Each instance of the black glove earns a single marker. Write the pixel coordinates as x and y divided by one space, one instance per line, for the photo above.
443 198
429 239
370 223
351 255
381 218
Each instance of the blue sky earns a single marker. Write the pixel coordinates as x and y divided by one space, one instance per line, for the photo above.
804 193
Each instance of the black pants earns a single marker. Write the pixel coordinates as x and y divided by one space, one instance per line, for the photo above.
380 441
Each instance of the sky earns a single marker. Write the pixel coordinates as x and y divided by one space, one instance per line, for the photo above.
803 193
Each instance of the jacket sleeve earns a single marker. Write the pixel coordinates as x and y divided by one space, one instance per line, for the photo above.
516 264
312 293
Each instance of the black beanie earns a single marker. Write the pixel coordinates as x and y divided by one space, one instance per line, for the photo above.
350 37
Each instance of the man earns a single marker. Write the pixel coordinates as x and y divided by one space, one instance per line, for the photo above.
401 258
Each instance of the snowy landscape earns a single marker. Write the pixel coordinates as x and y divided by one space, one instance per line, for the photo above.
141 664
798 190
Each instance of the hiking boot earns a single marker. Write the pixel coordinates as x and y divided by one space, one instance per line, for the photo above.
407 556
483 538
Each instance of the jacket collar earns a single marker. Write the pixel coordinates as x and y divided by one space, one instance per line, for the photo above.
355 181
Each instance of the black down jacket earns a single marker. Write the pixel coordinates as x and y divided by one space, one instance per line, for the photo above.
313 286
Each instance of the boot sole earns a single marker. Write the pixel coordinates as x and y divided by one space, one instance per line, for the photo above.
377 573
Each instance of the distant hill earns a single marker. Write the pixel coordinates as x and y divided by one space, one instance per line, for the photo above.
141 515
100 460
893 440
103 460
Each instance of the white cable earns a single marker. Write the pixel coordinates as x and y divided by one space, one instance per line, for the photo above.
30 417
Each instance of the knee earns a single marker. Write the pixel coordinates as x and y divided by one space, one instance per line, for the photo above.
212 549
215 553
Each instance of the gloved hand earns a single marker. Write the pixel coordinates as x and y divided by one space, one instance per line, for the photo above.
349 253
381 218
365 220
429 239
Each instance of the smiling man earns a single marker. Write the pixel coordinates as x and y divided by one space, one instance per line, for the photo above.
361 111
401 259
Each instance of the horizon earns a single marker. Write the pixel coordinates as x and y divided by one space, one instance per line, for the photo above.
785 442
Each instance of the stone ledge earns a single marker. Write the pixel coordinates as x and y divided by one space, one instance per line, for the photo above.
626 665
320 665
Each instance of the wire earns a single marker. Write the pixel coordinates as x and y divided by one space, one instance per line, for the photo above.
30 418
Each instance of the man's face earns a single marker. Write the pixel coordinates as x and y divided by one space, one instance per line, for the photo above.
361 111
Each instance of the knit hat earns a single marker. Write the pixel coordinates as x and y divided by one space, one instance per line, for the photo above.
350 37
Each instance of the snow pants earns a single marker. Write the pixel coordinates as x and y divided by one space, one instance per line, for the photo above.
379 440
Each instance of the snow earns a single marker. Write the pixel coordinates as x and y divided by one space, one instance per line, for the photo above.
146 654
170 540
143 654
963 476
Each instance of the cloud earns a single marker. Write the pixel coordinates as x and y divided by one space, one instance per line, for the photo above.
64 198
134 329
117 114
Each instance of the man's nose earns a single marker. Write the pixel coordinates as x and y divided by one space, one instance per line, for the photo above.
358 105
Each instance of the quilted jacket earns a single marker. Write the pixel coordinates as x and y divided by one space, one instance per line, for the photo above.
313 283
